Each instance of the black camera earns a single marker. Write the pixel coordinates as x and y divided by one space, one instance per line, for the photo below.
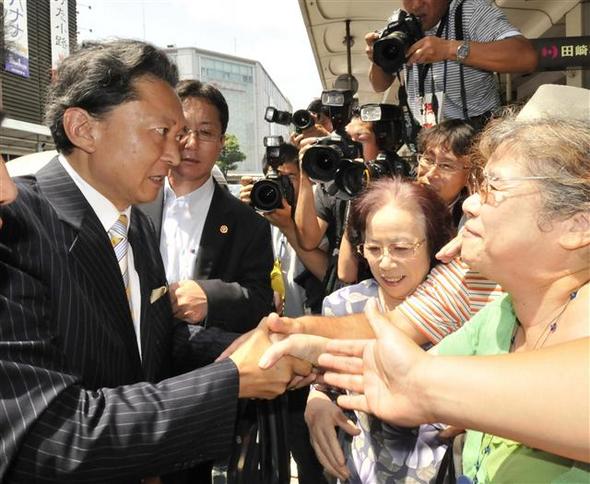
273 115
322 160
388 125
389 52
301 119
340 104
357 177
268 194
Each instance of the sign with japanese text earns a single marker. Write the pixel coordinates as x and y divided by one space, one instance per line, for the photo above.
16 37
60 39
556 54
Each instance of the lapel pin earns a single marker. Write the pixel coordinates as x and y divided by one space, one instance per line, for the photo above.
224 229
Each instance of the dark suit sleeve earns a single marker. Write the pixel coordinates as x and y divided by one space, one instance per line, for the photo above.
239 306
53 428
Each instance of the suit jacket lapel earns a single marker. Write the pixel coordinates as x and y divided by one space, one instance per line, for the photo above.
91 251
215 233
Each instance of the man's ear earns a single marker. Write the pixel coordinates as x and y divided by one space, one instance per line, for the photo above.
79 127
575 232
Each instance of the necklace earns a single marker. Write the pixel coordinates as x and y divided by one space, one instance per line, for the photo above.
549 329
487 439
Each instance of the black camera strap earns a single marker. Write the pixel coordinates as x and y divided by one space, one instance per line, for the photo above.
459 36
424 68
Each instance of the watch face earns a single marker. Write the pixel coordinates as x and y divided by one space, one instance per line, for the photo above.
462 52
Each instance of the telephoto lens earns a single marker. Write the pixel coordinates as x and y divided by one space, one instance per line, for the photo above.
302 119
266 195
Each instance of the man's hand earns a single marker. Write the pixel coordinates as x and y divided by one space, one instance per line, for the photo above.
304 346
431 49
315 131
189 301
322 417
246 182
281 217
452 249
385 373
256 382
370 39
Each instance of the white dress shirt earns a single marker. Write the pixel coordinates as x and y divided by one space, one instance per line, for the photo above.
183 219
108 214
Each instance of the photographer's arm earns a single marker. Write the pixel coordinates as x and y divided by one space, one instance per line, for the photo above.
496 56
379 79
309 228
348 263
315 260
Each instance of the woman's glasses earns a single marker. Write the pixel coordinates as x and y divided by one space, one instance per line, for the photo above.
398 251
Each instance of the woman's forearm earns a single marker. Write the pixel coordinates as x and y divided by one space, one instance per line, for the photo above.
540 398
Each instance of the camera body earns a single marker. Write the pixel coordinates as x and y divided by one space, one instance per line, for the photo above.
389 51
322 160
388 125
340 104
268 194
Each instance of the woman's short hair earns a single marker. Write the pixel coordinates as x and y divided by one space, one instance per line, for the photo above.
100 76
555 148
408 194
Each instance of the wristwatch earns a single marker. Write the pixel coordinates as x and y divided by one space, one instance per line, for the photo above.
462 52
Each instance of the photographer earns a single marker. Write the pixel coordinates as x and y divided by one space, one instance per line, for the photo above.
449 71
302 272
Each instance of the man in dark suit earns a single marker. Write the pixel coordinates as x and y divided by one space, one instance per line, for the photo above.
87 339
217 251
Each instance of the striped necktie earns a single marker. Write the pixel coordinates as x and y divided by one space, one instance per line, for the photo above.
118 235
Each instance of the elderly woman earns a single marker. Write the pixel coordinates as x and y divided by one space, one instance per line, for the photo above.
397 226
528 227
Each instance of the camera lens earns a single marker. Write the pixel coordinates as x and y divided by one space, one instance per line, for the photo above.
350 178
390 52
321 162
266 195
302 119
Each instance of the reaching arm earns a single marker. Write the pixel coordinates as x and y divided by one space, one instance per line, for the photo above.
543 394
309 228
496 56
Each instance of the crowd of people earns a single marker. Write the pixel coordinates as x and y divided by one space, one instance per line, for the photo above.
432 326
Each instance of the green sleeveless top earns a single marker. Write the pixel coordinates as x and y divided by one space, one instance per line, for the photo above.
487 458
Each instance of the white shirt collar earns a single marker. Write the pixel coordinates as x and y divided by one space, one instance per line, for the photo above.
206 189
106 212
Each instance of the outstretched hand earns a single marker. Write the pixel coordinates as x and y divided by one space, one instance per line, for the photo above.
384 373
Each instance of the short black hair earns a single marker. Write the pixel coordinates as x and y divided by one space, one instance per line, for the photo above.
455 134
194 88
318 108
100 76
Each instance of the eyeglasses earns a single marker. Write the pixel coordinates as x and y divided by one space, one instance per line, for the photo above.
445 166
490 194
202 134
374 252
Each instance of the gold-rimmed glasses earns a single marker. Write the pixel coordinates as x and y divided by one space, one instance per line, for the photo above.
490 193
396 251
